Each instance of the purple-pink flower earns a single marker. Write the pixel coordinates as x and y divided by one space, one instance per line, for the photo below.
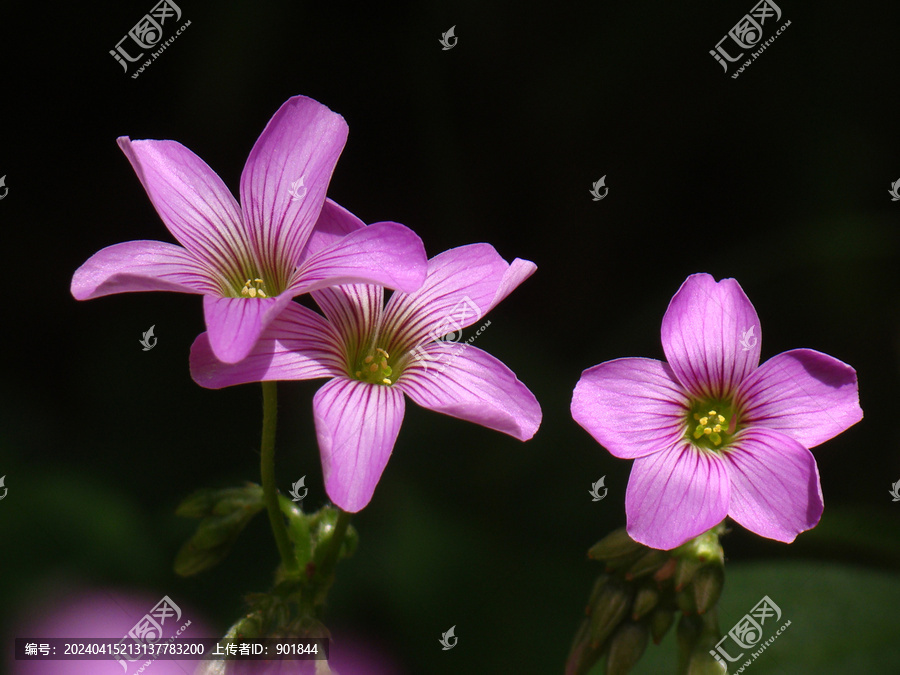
374 354
249 260
712 432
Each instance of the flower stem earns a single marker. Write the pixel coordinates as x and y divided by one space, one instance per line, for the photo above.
329 559
267 470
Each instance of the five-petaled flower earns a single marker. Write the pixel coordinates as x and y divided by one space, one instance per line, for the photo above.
375 353
712 432
249 260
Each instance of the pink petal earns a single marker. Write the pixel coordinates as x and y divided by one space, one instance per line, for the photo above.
804 394
674 495
388 254
706 336
460 287
235 324
517 272
302 141
775 488
356 424
633 407
334 223
298 345
355 312
192 201
465 382
142 266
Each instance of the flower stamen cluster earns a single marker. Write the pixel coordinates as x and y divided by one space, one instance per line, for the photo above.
375 371
254 288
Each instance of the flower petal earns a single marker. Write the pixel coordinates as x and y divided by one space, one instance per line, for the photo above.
355 312
142 266
192 201
517 272
674 495
633 407
298 345
465 382
460 287
235 324
711 336
387 254
356 424
333 224
302 142
775 488
804 394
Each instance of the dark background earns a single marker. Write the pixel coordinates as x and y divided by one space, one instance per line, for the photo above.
778 179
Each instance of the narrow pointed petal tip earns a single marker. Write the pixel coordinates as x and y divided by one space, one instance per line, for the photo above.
711 335
633 406
675 495
804 394
468 383
356 425
775 488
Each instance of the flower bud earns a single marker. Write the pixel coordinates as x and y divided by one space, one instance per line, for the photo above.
614 545
645 600
660 623
707 585
648 563
611 607
626 648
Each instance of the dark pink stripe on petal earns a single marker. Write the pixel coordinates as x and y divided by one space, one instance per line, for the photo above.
711 336
357 425
775 488
633 407
804 394
674 495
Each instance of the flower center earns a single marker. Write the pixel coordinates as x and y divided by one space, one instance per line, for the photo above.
255 288
374 368
711 424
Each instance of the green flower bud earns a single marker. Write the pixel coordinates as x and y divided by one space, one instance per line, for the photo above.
660 623
626 648
645 600
614 545
707 584
648 563
684 571
611 607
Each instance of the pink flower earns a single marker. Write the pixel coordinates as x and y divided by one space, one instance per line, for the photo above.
712 432
249 260
375 354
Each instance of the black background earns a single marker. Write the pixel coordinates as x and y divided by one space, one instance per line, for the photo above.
778 178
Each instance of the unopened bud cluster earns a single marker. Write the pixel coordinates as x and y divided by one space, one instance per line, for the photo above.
638 596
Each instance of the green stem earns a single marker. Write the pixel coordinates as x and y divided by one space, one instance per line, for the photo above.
267 470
